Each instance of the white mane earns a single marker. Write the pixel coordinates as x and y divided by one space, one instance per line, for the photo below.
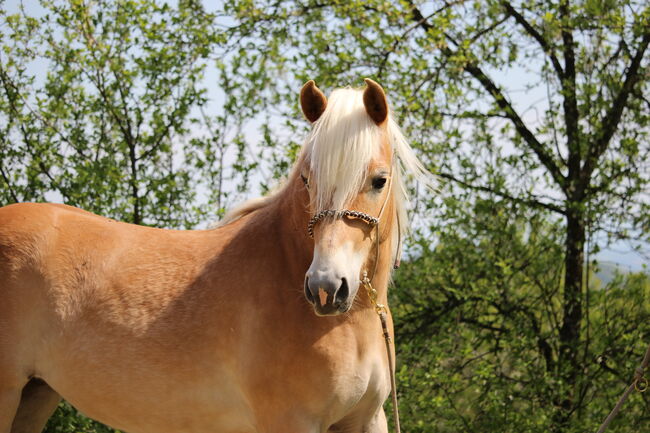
339 149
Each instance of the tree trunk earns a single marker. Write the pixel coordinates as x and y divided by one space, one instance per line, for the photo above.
568 362
137 219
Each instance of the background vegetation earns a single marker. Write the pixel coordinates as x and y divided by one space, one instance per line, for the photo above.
534 114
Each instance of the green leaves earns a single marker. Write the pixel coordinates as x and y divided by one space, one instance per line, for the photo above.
121 85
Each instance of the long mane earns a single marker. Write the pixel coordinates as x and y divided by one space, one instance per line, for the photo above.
339 149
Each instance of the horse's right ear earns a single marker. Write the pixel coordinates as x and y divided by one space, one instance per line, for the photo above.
312 101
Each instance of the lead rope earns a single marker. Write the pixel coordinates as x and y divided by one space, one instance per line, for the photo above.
381 311
639 382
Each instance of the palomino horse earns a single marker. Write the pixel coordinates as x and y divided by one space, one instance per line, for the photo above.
248 327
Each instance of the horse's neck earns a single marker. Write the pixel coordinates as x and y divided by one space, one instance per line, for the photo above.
284 223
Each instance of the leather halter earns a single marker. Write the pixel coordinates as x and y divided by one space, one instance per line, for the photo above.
368 219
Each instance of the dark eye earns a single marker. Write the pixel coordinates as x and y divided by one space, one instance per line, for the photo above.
378 182
305 180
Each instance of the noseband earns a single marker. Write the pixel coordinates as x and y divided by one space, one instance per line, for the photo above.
354 214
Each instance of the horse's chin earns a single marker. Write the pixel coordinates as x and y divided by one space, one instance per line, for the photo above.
329 310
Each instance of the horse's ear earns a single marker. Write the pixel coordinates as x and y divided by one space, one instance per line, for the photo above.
374 99
312 101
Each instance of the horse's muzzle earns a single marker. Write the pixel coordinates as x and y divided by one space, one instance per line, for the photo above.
329 296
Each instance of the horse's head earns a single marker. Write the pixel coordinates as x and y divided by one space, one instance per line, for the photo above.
355 194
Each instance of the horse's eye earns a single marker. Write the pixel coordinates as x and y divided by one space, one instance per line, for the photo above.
305 180
378 182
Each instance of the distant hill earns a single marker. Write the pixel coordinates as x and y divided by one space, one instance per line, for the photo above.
608 270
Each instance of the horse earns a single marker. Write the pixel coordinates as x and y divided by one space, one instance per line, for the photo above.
255 325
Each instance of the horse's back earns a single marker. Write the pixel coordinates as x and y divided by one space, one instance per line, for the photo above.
33 237
77 262
27 228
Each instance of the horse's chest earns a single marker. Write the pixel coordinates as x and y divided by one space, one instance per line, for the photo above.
328 381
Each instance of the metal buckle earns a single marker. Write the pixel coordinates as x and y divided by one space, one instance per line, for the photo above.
372 295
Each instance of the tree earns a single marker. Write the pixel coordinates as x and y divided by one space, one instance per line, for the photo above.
453 73
478 317
118 88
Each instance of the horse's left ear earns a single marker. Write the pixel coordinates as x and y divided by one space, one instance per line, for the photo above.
374 99
312 101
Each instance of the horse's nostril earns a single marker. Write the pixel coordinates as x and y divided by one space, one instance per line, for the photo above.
308 294
342 293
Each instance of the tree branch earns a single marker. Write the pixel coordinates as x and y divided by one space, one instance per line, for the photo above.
537 36
570 103
613 116
8 88
543 345
11 190
473 69
528 202
399 39
488 29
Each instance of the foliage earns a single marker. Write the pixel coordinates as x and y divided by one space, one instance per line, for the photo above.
67 419
120 85
97 101
476 318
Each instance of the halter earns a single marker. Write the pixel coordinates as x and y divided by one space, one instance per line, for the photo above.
354 214
380 309
368 219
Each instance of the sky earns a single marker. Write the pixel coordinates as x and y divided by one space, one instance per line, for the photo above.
527 101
